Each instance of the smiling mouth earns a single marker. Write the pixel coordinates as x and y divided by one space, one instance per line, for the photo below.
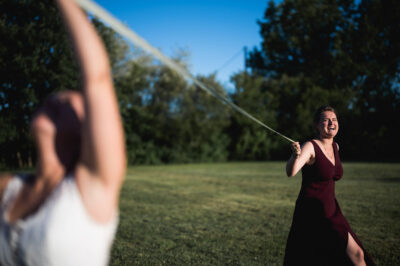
331 128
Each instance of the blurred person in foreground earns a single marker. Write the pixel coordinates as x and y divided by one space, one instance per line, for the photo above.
320 234
66 213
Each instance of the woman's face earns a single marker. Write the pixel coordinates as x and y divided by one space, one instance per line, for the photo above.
328 125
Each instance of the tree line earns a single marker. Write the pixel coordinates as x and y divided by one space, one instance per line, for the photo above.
314 52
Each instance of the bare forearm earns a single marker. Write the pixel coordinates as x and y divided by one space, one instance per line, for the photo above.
291 165
299 158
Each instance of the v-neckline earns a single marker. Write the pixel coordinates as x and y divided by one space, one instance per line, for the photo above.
326 157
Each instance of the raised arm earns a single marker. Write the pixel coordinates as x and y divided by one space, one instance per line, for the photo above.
103 157
299 158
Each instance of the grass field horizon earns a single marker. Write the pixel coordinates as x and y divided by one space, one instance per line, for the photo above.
240 213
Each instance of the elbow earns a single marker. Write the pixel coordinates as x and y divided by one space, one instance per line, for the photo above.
289 171
98 77
290 174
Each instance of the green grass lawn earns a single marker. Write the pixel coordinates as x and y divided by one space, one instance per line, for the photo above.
240 213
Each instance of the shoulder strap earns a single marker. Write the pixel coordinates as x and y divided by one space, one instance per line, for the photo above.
316 147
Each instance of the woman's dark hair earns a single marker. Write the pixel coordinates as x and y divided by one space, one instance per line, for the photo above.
320 110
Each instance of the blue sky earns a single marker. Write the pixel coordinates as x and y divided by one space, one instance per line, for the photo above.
214 32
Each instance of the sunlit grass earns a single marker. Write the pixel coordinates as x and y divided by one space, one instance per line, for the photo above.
240 213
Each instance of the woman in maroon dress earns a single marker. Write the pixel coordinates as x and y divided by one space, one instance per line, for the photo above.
320 235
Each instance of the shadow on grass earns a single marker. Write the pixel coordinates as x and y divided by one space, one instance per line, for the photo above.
389 179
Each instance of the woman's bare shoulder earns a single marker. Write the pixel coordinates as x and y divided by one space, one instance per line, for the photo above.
307 145
308 149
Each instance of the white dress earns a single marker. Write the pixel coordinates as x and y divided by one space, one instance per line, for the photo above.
60 232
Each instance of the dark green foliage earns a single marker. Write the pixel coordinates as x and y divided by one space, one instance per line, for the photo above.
203 120
314 52
250 141
167 120
35 60
339 53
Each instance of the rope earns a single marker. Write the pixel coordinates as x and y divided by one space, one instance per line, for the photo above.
123 30
230 59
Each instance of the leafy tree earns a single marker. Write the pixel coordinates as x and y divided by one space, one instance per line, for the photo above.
250 141
132 85
376 51
35 60
163 102
203 121
340 53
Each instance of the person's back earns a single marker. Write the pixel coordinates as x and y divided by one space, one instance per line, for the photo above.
60 232
66 213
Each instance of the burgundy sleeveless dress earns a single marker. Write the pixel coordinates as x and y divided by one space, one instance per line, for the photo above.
319 231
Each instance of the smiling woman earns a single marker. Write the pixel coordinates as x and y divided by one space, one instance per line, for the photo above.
320 234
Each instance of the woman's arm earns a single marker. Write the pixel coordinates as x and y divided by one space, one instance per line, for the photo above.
101 168
299 158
